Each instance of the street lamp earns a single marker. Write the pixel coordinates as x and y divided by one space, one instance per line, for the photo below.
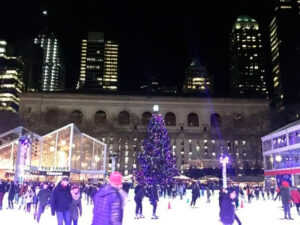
113 161
224 160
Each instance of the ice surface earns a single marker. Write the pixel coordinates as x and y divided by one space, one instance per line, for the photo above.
257 213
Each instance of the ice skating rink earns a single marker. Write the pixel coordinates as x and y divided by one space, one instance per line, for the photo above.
257 213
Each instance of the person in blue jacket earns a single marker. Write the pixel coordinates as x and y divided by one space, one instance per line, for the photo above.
109 202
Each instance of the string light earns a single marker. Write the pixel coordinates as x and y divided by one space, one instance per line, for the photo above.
157 163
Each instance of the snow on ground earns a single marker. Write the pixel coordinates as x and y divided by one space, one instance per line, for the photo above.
258 213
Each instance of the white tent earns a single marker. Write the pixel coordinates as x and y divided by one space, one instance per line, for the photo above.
182 177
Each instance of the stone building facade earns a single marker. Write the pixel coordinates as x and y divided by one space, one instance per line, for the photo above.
200 129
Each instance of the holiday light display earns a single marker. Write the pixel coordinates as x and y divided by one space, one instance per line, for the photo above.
224 160
22 157
157 165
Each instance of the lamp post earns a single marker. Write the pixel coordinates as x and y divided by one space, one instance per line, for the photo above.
113 161
224 160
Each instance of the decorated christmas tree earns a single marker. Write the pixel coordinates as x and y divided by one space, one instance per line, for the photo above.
157 164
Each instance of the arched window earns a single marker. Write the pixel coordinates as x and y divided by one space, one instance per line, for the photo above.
100 118
124 118
76 116
193 120
170 119
215 120
145 118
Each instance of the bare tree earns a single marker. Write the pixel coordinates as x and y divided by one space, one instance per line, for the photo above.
8 121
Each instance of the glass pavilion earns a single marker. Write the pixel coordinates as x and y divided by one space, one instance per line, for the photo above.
65 151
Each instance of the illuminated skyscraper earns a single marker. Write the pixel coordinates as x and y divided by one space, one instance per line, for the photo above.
285 52
197 79
247 62
3 46
99 63
11 83
53 76
110 77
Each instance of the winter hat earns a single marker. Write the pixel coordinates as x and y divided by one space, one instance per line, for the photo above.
285 184
115 179
74 186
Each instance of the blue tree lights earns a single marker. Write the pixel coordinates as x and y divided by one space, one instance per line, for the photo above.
157 164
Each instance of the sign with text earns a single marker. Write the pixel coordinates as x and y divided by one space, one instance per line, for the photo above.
54 168
50 173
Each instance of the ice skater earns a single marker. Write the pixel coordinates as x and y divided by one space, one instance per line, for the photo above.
109 202
195 194
138 198
43 199
208 194
228 208
2 192
295 193
286 199
11 195
278 194
75 207
29 199
61 200
272 192
153 197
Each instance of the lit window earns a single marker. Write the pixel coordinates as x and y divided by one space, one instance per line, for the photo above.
286 7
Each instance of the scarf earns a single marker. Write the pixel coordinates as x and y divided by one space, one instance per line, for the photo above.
75 195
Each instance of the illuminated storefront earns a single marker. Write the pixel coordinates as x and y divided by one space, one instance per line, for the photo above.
65 151
281 151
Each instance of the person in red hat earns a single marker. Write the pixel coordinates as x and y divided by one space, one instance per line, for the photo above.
109 202
286 199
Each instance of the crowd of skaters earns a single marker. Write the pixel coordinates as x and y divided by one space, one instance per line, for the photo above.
108 200
65 198
289 196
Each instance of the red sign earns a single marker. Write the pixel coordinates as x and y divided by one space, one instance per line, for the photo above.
280 172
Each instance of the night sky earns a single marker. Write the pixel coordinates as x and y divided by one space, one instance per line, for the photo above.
154 39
